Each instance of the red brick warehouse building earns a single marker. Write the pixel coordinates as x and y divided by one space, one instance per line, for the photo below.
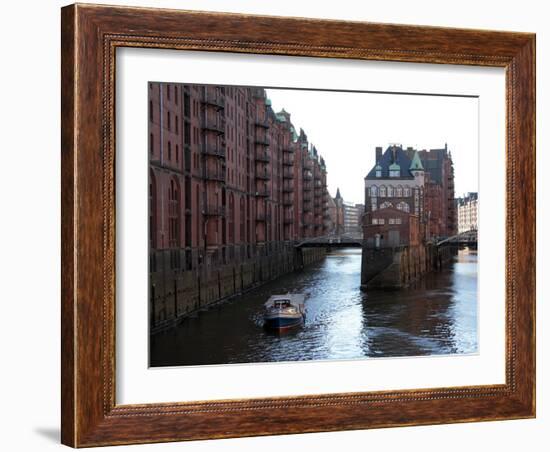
229 180
409 197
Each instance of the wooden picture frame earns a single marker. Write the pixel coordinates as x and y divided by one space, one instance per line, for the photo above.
90 36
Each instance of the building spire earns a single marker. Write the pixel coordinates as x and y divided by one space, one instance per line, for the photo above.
416 163
338 196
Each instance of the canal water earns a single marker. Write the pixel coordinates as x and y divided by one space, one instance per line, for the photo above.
436 316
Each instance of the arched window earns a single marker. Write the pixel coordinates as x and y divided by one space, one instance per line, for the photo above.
231 218
390 192
385 205
382 191
403 206
152 210
174 213
399 192
407 192
374 191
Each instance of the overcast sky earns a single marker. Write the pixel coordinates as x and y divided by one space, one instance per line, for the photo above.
346 128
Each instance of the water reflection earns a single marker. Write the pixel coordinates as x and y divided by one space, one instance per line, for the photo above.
436 316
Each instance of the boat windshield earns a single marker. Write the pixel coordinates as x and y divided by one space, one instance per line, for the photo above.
281 304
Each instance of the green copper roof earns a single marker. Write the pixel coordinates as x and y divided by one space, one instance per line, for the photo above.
268 102
416 163
395 166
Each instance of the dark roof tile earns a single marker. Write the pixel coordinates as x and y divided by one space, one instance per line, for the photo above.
393 154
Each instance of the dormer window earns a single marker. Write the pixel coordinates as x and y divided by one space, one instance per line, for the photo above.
395 170
378 170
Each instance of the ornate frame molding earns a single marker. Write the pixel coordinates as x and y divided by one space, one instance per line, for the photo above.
90 37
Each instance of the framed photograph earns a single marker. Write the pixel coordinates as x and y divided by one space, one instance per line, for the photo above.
281 225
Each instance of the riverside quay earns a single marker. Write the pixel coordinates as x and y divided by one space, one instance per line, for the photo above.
232 187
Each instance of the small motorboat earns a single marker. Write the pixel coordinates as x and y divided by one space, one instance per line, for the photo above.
284 311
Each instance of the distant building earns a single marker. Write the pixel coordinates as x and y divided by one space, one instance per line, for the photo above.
329 216
353 214
409 196
467 212
336 212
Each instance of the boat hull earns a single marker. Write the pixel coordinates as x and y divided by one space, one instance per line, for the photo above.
282 323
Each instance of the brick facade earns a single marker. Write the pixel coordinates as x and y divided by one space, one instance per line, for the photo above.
440 195
228 174
229 180
391 227
420 185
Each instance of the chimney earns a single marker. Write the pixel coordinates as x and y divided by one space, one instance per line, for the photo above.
378 153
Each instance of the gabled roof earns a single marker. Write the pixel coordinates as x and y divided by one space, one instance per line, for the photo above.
394 155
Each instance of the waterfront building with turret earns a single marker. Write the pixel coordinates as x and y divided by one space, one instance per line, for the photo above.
409 197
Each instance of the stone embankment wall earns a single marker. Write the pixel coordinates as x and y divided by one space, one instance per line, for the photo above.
176 294
395 268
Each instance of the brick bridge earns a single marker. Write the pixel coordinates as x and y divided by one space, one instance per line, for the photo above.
393 267
355 240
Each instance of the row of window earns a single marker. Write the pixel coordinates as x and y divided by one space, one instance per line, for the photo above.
390 191
383 221
392 173
169 91
168 96
175 216
400 206
152 148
